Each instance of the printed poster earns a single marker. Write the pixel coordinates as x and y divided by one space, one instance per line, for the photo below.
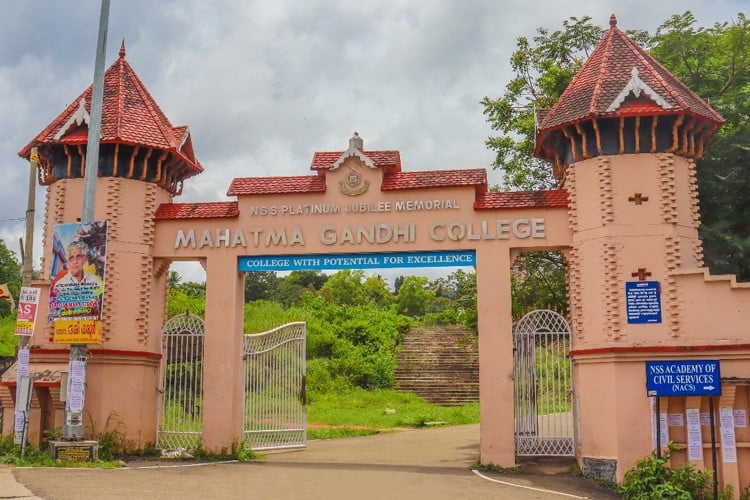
694 435
27 308
76 385
726 431
77 278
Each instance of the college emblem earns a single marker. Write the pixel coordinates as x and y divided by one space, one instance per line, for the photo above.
353 184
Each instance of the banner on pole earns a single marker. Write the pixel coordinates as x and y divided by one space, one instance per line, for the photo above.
77 276
76 331
28 305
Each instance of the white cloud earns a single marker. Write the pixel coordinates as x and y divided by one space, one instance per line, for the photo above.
265 84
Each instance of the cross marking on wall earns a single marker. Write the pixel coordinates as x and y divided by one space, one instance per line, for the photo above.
638 198
642 274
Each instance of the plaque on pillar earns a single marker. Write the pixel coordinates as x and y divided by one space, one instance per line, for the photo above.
643 301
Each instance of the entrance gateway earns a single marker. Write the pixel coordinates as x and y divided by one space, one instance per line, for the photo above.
623 141
259 232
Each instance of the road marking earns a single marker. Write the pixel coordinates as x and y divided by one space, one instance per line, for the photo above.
525 487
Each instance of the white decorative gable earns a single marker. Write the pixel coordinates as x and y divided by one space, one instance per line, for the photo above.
636 86
80 116
355 146
352 152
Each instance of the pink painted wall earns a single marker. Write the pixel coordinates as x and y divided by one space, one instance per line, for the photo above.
703 317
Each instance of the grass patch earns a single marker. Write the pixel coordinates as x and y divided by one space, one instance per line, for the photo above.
35 457
339 432
358 412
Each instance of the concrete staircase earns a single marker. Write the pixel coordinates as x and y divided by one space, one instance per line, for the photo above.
440 364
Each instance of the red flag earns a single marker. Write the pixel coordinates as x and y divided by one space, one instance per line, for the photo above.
5 295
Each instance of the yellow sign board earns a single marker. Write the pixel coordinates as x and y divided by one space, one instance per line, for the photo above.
84 331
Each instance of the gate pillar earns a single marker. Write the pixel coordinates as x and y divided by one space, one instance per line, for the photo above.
223 349
497 445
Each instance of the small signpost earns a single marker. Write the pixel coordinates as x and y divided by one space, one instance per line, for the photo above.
683 378
696 377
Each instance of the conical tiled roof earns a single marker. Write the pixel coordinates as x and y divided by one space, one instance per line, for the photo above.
129 116
622 79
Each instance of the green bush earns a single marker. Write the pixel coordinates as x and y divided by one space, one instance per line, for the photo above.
263 315
8 338
180 302
357 342
652 478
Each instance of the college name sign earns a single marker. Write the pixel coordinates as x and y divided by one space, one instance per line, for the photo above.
358 234
456 258
683 378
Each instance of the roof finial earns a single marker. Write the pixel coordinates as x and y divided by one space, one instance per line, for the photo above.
122 49
356 141
612 21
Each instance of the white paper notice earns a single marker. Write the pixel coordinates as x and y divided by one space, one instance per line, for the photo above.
675 420
76 381
20 421
663 430
19 425
22 370
740 418
23 362
77 369
728 444
705 419
695 439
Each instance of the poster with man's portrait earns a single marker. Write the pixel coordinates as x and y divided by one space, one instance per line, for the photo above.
77 278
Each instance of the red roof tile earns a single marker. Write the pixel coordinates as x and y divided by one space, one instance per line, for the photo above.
607 72
211 210
557 198
129 116
433 179
324 159
277 185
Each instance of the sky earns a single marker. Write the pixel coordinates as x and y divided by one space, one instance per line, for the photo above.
263 84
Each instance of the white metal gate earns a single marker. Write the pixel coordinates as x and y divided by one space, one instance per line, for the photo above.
542 383
181 409
275 400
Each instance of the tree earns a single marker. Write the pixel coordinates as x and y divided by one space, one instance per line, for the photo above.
413 297
713 62
538 282
289 290
543 69
10 273
455 299
192 289
345 288
377 291
174 279
260 285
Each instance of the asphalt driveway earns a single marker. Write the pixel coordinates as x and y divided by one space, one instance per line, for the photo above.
427 463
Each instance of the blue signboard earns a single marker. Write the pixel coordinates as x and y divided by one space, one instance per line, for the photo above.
683 378
643 302
454 258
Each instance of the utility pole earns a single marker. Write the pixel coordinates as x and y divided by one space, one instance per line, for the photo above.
28 244
73 425
27 258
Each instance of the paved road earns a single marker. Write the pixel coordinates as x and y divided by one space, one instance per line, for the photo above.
432 464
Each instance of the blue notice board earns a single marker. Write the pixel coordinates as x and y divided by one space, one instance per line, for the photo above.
643 301
683 378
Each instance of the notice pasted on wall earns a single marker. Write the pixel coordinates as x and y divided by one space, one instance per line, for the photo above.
643 301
